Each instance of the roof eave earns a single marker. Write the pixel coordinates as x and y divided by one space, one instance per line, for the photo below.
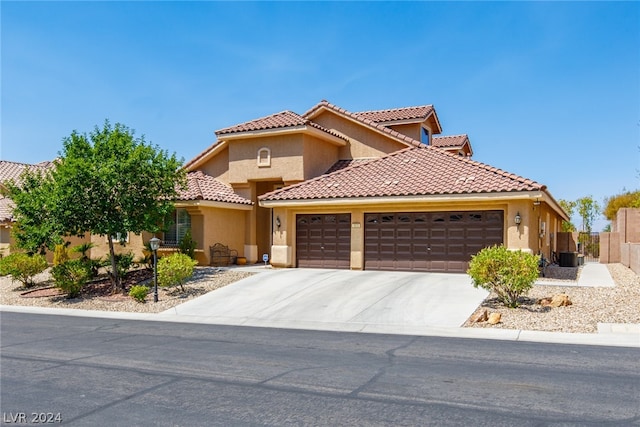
203 157
286 131
213 204
475 197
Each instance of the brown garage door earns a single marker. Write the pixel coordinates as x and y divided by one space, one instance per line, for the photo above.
323 241
429 241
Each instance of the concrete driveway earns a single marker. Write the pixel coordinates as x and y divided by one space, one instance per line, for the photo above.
338 300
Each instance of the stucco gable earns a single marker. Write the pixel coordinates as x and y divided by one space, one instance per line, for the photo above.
326 106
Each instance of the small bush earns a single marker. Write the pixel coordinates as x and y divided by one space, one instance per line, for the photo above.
138 292
71 276
509 274
123 263
187 245
23 267
173 270
60 255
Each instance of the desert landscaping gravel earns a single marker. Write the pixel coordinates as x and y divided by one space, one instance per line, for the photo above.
205 279
590 305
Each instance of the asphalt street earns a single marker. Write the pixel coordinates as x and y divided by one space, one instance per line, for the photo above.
100 371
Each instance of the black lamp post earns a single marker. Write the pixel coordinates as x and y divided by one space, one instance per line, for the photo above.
155 244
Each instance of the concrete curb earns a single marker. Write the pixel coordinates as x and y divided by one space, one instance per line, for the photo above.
615 335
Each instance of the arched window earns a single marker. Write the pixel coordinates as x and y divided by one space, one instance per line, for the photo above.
264 157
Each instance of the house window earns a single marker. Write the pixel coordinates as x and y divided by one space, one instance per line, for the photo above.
425 136
264 157
119 238
178 224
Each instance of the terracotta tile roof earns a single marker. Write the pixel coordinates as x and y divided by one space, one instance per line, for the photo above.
280 120
6 209
341 164
398 114
418 171
449 141
201 186
362 119
13 170
274 121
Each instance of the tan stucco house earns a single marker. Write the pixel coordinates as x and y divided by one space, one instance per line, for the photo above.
365 190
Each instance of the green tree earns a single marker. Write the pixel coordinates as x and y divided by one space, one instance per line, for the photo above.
588 209
107 183
35 228
569 207
629 199
110 183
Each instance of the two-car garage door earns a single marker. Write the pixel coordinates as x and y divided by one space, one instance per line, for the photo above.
411 241
429 241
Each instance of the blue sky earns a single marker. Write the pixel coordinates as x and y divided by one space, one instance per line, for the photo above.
546 90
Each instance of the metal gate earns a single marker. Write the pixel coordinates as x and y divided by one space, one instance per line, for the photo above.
589 246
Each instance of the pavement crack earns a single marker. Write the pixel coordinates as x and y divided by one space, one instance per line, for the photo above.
124 399
391 361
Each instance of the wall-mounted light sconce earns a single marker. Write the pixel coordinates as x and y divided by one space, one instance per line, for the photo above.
518 220
278 223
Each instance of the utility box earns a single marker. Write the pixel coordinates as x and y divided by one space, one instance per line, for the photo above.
568 259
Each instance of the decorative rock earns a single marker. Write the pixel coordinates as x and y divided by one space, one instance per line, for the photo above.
545 302
483 316
494 318
560 300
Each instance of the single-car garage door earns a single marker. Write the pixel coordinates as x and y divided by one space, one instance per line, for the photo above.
323 241
429 241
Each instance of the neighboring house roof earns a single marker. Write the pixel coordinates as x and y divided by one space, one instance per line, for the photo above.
418 171
6 209
201 186
13 170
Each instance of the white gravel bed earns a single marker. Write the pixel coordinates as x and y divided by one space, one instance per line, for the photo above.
205 279
590 306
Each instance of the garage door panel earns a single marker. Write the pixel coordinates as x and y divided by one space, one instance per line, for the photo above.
435 241
323 240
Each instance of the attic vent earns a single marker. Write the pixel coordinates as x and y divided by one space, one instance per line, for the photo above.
412 160
332 184
389 182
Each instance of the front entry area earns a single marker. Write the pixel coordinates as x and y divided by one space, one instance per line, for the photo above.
429 241
323 240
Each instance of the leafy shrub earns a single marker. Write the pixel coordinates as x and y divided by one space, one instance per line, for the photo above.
92 264
60 254
23 267
187 245
509 274
175 269
71 276
139 292
123 263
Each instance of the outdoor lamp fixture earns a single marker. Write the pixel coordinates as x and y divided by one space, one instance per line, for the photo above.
518 220
155 244
278 223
